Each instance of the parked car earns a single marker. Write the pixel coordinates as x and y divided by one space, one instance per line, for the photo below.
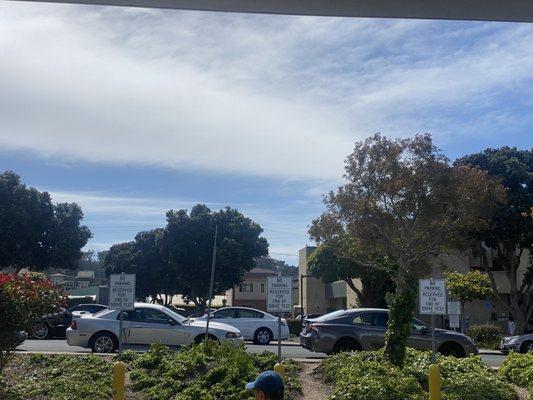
364 329
521 343
255 325
56 324
148 323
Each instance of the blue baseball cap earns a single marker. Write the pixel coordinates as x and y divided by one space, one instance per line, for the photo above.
269 382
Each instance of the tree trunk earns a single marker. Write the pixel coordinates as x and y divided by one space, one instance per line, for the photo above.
400 319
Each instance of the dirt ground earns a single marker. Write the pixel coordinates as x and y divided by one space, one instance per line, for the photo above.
312 387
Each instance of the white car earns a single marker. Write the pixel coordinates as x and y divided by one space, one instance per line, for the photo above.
255 325
148 323
521 343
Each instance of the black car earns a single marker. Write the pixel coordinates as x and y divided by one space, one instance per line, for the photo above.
56 324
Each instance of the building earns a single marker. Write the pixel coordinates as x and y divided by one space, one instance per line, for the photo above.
252 291
320 298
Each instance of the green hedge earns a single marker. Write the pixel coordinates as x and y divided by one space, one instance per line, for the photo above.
518 369
486 336
295 326
369 376
207 371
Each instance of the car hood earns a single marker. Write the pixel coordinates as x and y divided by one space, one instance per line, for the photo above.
214 325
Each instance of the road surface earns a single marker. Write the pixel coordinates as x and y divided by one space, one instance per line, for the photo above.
288 351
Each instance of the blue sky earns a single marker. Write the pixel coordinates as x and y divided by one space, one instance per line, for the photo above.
131 112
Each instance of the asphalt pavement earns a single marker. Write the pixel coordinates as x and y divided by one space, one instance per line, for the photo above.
288 350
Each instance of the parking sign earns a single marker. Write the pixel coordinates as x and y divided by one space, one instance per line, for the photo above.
279 294
122 292
432 296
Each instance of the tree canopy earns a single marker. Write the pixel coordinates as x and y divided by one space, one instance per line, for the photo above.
186 244
272 264
34 232
401 205
509 231
468 287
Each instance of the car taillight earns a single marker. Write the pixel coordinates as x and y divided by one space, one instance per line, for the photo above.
73 325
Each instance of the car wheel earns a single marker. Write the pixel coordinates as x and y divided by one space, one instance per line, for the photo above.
526 346
263 336
200 338
104 342
346 344
41 332
452 349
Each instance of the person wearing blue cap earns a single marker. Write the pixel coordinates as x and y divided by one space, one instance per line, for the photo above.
267 386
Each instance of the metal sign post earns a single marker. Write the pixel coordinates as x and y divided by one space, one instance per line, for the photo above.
279 300
211 283
432 298
122 298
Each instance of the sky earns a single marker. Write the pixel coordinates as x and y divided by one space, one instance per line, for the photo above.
132 112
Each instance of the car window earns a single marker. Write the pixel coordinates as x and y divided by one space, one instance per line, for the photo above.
331 315
418 325
371 319
151 315
243 313
224 313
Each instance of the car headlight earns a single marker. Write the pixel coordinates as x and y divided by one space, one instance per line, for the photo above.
512 339
233 335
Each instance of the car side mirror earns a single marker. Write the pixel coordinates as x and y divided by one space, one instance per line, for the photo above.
172 322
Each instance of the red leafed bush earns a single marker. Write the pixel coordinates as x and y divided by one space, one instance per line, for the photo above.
24 299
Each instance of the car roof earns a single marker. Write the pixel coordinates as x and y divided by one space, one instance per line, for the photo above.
352 310
242 308
89 304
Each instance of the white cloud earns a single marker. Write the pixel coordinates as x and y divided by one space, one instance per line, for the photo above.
260 95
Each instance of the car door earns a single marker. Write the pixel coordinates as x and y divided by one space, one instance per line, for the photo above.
371 327
248 321
150 325
420 337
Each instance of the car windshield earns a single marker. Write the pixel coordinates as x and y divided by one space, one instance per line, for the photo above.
331 315
176 316
105 311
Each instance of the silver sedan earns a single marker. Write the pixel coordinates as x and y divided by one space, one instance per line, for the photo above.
521 343
148 323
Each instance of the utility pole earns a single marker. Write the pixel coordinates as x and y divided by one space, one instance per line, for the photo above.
213 262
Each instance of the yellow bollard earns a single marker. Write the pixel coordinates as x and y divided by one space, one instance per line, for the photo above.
280 369
434 382
119 372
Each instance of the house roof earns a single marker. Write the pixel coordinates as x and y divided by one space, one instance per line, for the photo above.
85 274
261 271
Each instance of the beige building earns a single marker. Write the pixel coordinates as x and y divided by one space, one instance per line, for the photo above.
251 292
320 298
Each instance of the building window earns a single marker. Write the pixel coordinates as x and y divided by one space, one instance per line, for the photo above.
246 287
262 288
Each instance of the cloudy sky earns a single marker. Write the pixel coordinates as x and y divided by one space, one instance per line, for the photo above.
132 112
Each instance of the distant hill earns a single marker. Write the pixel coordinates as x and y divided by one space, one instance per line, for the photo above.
273 265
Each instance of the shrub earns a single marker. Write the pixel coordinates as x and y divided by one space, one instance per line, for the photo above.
204 371
295 326
24 299
518 369
486 336
367 375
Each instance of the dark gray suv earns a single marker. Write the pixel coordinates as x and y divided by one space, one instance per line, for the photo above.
364 329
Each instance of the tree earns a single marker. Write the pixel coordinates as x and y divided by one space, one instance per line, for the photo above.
276 265
34 233
24 300
401 205
187 245
326 263
143 258
467 287
509 232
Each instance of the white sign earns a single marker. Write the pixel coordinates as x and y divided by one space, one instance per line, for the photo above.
122 292
279 294
454 321
454 308
432 296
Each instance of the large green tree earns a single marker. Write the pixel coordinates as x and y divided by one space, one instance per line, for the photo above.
142 257
34 232
402 203
187 244
509 232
